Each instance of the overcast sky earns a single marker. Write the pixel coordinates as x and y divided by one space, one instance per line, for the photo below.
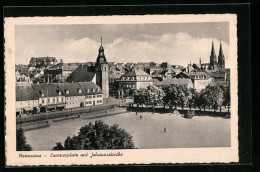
176 43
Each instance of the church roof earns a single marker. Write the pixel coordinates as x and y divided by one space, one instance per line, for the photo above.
82 74
101 55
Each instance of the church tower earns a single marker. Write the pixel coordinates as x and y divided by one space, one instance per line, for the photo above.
213 58
102 73
221 58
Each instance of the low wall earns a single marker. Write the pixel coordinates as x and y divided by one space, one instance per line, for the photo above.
48 122
184 111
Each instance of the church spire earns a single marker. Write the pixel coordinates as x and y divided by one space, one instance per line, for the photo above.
220 50
101 55
213 57
221 57
213 49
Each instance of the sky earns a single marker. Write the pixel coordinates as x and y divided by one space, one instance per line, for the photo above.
176 43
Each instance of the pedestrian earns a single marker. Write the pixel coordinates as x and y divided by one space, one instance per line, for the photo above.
141 116
136 113
165 130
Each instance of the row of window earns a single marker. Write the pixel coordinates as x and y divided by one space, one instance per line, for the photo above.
134 78
94 96
28 102
53 100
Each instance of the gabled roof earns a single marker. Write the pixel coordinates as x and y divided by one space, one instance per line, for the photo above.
63 66
90 85
114 76
24 93
175 82
156 68
136 72
216 74
73 89
49 90
183 74
157 72
176 70
82 74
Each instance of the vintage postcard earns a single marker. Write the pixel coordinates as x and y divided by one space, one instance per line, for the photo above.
103 90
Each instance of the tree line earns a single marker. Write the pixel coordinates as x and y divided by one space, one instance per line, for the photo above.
212 97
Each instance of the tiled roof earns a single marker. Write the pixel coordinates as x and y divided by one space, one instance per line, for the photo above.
157 72
24 93
216 74
82 74
156 68
156 81
90 85
135 72
73 88
114 76
63 66
176 70
49 90
175 81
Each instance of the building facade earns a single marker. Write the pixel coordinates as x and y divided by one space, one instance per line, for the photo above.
74 96
51 97
42 61
26 100
93 93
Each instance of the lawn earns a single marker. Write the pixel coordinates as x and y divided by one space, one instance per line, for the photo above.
148 131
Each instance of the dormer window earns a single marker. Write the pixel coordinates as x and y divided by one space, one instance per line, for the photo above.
97 90
93 90
88 90
67 91
42 94
59 93
79 90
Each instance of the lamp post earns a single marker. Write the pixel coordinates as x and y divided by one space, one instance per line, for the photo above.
90 104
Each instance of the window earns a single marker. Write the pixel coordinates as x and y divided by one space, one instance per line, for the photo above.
61 99
53 101
57 100
42 102
90 96
101 95
94 96
48 100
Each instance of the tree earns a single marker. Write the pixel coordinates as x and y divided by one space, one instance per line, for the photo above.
183 95
201 100
98 136
21 141
214 97
193 97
